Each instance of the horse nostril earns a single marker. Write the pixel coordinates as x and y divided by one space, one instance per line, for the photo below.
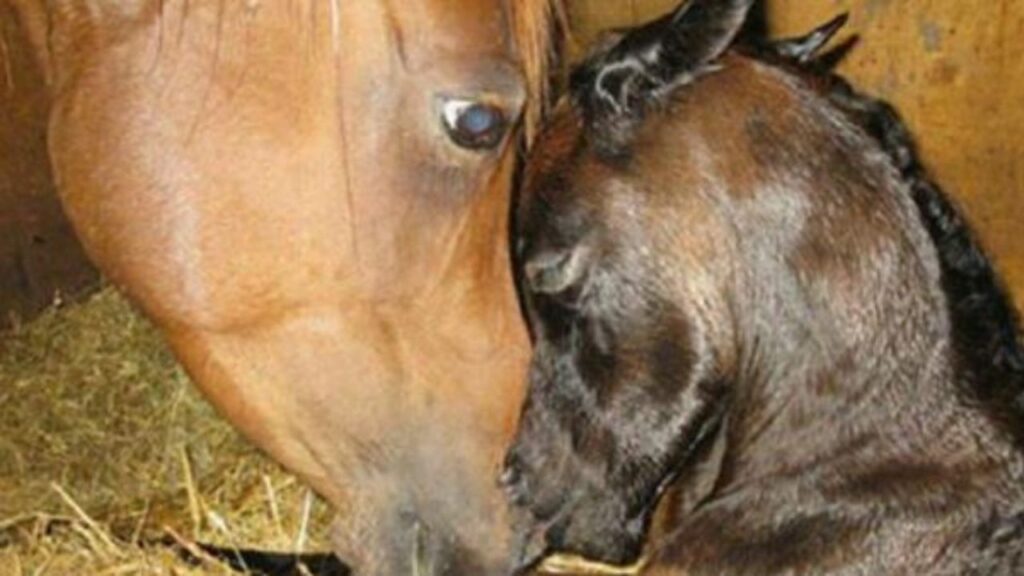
512 480
539 268
512 468
510 477
555 271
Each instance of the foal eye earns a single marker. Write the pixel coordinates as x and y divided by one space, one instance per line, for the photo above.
474 125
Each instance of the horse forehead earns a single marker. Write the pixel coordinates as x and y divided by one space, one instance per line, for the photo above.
479 26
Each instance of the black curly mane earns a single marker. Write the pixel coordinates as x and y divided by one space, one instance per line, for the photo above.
986 329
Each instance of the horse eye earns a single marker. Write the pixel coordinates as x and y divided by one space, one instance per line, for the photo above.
474 125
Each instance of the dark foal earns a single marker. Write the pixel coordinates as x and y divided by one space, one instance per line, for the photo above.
745 292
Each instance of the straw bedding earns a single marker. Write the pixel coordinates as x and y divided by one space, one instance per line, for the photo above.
106 451
109 458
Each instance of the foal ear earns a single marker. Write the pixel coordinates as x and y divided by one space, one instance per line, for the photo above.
804 48
697 34
662 54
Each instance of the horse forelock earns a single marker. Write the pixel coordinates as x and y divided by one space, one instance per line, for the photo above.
539 28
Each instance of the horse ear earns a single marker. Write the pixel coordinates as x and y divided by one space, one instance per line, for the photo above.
662 54
804 48
697 34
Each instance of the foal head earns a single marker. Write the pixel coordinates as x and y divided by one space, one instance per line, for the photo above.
699 228
623 279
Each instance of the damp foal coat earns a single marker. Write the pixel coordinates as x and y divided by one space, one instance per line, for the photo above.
752 306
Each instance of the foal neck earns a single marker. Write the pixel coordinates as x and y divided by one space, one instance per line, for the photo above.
848 351
821 392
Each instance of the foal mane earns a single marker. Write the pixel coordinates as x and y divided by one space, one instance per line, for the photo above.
986 329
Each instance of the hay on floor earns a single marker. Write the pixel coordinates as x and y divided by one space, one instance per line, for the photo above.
106 448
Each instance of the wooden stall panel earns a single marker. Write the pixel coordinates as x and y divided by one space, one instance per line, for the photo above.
954 69
39 255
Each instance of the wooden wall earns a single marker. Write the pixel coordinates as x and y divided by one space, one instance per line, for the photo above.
39 256
955 70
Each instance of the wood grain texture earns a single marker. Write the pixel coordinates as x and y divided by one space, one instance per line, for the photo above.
954 69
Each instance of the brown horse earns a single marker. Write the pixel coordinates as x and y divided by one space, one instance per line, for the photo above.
310 199
745 288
